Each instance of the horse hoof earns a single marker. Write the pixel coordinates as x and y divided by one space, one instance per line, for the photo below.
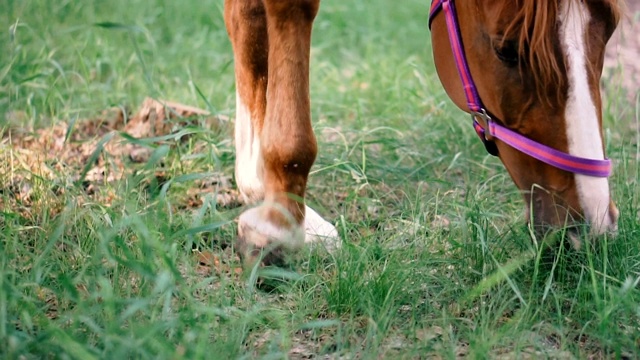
320 231
262 240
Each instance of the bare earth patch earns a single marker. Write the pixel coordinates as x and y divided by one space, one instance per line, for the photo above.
93 153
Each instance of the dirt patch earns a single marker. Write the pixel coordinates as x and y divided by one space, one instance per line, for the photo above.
92 153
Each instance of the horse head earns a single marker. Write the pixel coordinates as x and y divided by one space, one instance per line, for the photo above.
535 66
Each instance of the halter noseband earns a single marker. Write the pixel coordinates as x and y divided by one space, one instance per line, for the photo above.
553 157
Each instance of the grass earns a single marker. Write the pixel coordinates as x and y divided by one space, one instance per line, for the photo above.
436 261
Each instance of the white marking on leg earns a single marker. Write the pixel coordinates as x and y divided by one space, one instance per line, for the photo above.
248 156
318 230
248 177
266 233
582 117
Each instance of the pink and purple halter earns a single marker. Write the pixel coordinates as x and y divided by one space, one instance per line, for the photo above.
553 157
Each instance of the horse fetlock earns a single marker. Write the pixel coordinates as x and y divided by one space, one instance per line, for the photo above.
296 155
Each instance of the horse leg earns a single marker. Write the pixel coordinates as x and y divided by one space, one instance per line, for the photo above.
275 144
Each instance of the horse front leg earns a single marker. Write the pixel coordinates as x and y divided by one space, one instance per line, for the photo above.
275 143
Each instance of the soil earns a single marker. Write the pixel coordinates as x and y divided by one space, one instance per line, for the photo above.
90 154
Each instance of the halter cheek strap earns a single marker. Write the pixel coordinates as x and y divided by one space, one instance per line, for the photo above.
548 155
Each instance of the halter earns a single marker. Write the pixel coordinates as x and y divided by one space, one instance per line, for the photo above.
553 157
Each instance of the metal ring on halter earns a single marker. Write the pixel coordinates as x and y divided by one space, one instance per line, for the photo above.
482 114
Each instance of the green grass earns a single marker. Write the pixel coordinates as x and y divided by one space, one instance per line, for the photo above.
436 260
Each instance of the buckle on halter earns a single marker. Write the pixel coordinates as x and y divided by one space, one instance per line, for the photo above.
485 123
485 132
482 114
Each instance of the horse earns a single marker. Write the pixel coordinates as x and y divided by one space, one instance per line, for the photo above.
527 71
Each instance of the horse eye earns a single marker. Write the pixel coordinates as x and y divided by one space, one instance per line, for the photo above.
507 52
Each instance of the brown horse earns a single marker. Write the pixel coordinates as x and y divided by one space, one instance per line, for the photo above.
536 65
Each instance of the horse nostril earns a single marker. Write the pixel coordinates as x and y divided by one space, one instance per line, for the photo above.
606 222
613 216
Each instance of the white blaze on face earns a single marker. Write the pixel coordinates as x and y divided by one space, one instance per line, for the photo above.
583 130
248 156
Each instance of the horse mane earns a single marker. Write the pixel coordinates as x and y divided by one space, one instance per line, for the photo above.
534 28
